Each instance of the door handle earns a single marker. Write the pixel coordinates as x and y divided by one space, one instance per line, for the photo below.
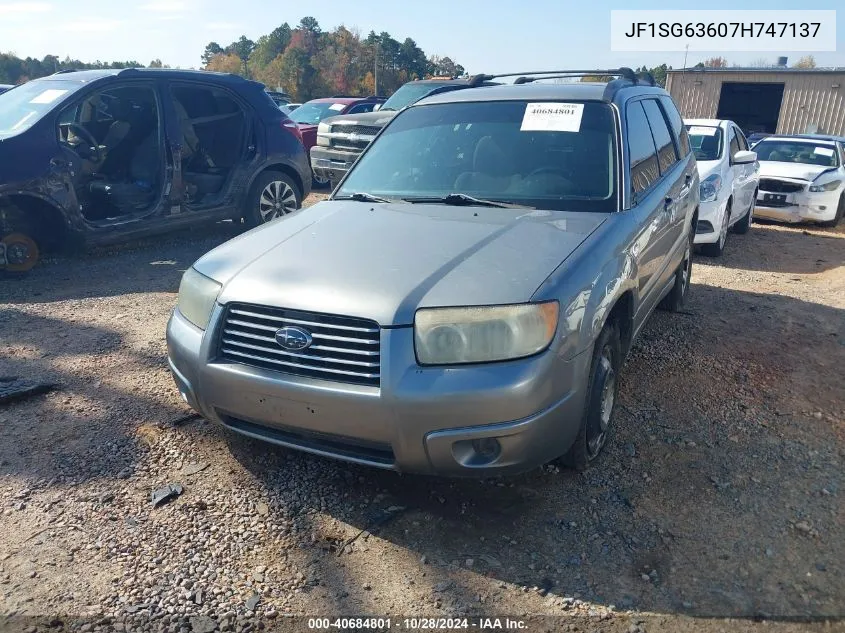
668 204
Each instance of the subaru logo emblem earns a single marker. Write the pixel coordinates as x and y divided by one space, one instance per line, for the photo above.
293 338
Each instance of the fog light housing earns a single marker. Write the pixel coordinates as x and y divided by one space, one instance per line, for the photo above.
487 448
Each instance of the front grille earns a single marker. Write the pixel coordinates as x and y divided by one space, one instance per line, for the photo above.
354 129
373 452
779 186
344 349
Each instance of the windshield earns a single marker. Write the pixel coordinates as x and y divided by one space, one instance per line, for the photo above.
24 106
408 94
313 113
706 141
808 153
553 156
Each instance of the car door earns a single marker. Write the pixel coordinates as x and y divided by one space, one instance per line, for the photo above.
653 204
738 175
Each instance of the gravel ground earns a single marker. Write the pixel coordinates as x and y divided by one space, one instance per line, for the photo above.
717 504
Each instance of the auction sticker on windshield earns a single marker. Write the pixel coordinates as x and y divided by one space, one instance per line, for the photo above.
552 117
337 106
824 151
48 96
703 131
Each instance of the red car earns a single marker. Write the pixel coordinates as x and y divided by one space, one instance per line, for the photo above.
310 113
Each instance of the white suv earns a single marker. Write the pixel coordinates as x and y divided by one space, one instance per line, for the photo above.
729 175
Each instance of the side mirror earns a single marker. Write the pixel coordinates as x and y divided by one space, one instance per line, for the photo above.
376 107
744 157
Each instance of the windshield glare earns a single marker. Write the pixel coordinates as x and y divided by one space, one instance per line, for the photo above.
807 153
313 113
480 150
24 106
706 141
406 95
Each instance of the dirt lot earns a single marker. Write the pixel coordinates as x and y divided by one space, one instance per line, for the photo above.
717 505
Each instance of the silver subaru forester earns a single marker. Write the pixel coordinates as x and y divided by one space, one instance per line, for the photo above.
463 302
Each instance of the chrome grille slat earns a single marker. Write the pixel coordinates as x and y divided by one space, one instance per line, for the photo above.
341 361
302 322
297 365
344 349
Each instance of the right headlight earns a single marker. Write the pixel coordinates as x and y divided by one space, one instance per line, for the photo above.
449 336
833 185
710 187
197 294
322 130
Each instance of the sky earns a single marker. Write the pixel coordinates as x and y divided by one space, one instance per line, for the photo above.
484 36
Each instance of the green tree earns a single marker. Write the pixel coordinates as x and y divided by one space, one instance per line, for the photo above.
211 49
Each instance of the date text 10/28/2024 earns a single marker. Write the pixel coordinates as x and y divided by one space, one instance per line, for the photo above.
416 624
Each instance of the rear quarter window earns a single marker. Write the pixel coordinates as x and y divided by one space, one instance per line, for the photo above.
642 152
677 124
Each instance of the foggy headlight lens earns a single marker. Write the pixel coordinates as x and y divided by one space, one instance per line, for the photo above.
447 336
828 186
197 294
709 188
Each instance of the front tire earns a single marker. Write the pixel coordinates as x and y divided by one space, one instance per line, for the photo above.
273 194
741 227
674 301
718 247
602 392
840 211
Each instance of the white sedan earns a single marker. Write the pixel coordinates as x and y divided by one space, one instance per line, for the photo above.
802 179
728 175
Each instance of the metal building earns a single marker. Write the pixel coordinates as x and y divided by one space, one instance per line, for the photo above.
777 100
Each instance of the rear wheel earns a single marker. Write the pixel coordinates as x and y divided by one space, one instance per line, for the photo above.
840 211
273 195
20 253
674 301
718 247
744 223
602 390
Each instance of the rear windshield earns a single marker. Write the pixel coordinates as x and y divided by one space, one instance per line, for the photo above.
706 141
546 155
24 106
313 113
808 153
408 94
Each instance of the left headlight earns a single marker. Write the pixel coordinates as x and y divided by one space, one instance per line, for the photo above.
828 186
197 294
448 336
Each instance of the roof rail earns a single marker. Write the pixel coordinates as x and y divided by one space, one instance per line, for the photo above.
623 72
65 71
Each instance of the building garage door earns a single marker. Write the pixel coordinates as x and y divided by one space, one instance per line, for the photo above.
755 107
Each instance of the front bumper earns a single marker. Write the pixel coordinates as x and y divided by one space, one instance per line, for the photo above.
420 419
710 216
801 206
331 163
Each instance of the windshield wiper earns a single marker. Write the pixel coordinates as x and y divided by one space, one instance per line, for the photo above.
462 199
363 196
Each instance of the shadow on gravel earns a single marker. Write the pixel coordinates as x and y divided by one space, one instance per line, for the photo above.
774 248
149 265
85 429
717 497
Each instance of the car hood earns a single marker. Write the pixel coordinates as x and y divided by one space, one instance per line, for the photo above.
708 168
801 171
378 118
383 261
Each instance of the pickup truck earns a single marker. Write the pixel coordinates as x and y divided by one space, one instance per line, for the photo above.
341 139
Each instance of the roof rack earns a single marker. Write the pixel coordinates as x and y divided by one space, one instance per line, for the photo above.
623 72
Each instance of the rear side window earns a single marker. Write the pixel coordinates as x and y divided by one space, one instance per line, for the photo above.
666 155
677 124
643 154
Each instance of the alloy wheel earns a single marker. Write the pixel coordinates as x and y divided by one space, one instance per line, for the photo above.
597 434
277 199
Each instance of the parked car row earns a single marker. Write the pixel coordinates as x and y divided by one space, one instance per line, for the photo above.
463 301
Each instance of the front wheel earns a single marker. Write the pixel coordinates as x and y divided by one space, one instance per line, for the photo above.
840 211
718 247
273 195
744 223
674 301
602 391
